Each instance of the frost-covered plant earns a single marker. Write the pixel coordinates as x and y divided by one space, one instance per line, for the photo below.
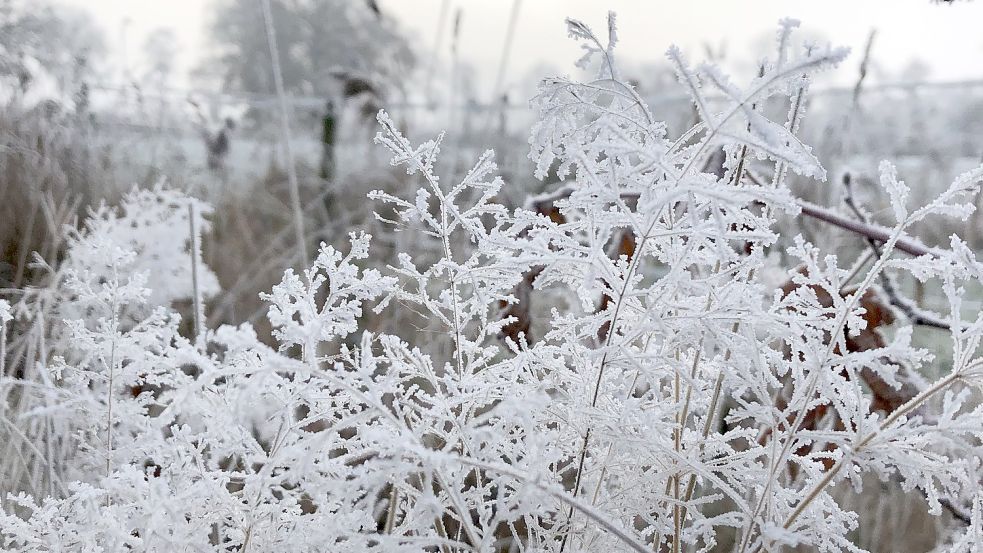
87 328
676 400
154 225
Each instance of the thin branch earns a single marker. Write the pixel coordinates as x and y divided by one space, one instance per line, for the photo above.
906 244
589 511
903 304
199 315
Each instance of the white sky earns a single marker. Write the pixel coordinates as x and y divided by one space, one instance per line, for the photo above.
945 37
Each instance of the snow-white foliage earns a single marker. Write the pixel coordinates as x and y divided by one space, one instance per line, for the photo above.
153 225
664 409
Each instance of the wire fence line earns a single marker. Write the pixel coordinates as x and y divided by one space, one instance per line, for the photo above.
269 100
174 126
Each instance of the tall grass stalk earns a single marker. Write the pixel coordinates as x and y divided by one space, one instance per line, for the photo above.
285 134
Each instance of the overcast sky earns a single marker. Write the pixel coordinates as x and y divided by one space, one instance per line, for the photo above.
945 38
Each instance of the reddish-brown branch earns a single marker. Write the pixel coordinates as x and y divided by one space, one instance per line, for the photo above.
873 232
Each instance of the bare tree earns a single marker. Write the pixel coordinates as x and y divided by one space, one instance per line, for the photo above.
318 40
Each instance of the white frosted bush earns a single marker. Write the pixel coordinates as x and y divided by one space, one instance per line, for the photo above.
676 400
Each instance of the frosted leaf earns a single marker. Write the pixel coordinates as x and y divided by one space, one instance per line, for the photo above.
592 44
897 191
327 302
415 159
957 200
786 26
691 82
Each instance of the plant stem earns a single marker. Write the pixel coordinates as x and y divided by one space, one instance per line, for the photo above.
391 514
199 315
827 478
285 135
112 369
